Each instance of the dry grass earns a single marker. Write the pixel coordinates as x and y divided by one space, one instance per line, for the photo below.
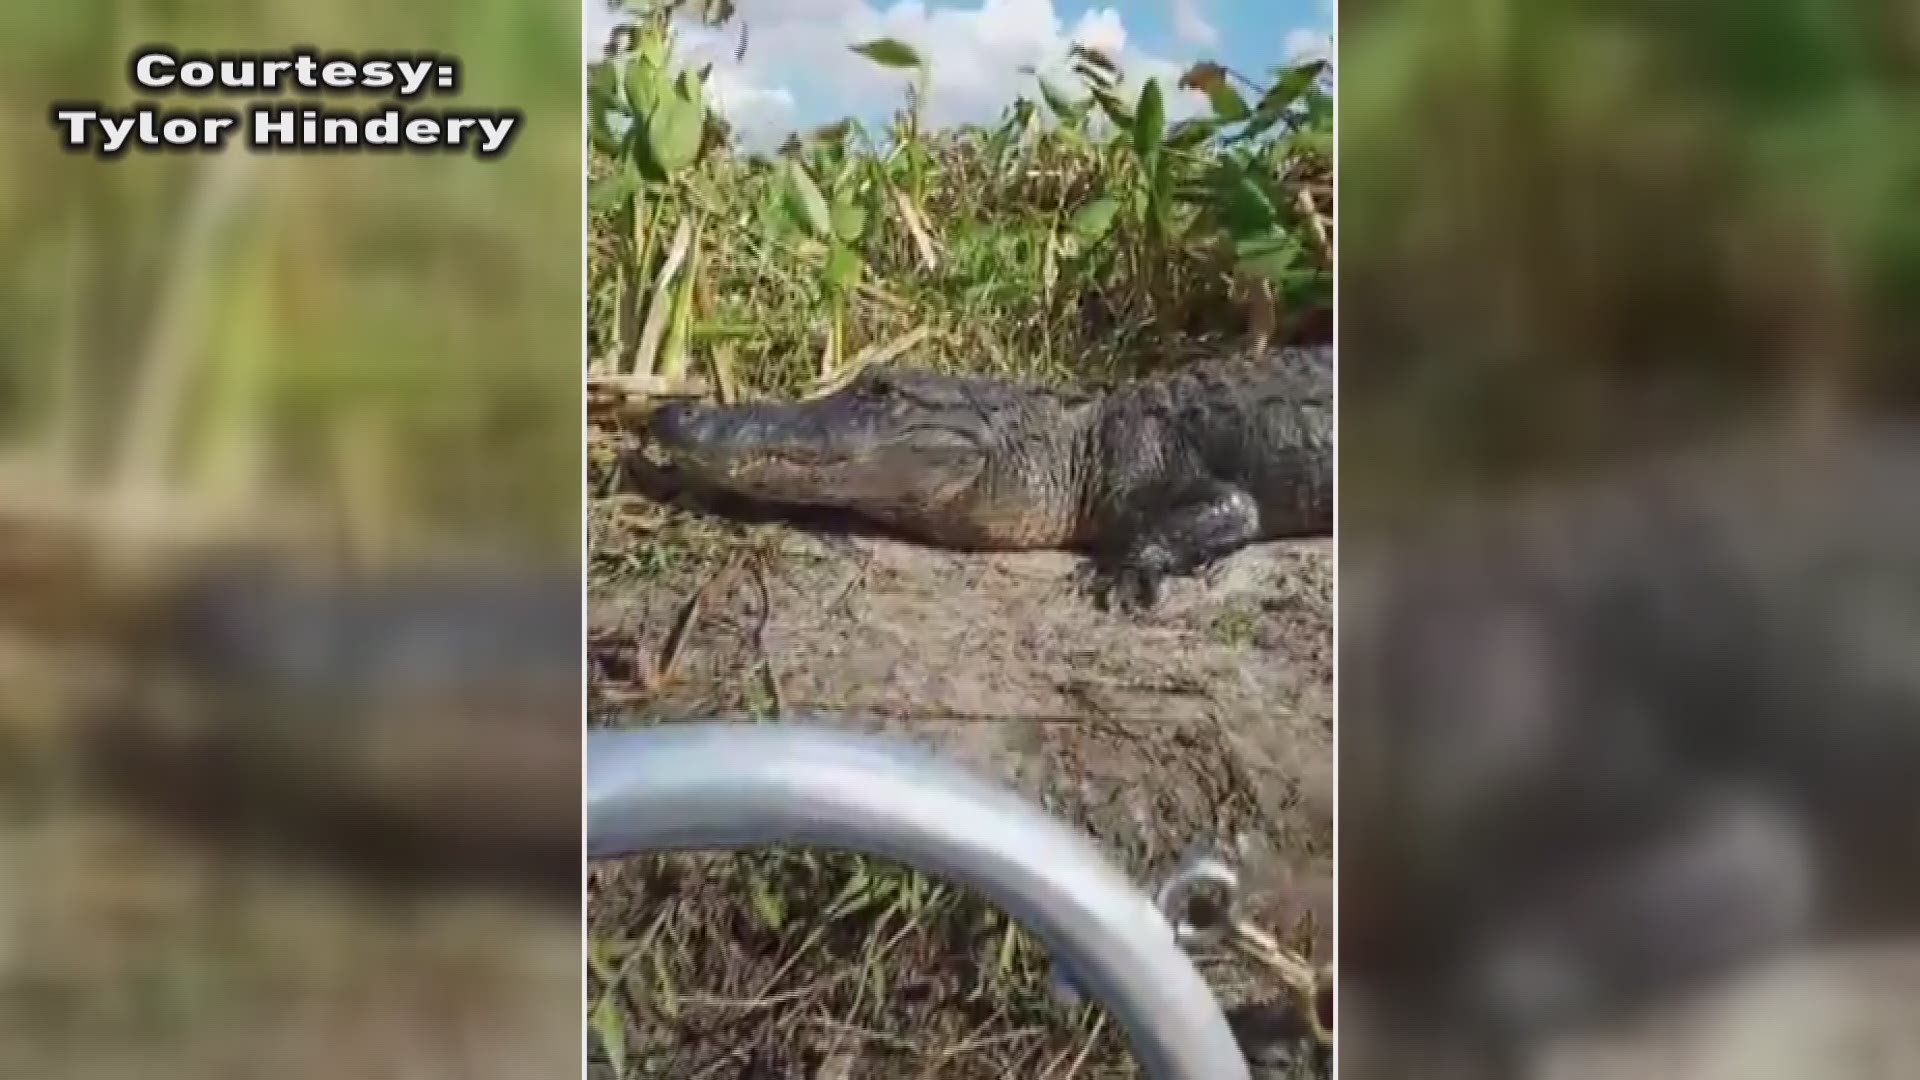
1080 238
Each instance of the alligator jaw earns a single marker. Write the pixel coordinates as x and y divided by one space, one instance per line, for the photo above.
845 451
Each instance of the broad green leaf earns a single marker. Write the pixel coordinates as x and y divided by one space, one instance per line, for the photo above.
1188 134
1272 256
674 131
642 86
849 219
805 204
1286 91
1117 110
605 138
843 267
890 52
610 192
1294 83
603 86
1244 206
1160 201
1319 108
1057 100
1092 222
1315 143
1150 121
611 1029
819 164
654 45
637 149
846 168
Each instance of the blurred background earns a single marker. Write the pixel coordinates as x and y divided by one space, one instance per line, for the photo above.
1582 227
1583 240
290 507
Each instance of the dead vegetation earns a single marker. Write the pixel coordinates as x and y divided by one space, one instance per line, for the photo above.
1082 237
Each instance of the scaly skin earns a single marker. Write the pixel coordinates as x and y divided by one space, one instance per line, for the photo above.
1154 479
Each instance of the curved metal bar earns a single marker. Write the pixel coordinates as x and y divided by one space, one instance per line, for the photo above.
731 786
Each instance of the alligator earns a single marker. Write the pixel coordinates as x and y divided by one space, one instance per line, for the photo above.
1156 478
1614 743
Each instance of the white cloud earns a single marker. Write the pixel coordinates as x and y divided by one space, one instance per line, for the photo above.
598 26
1100 29
1305 44
976 53
760 113
797 69
1191 24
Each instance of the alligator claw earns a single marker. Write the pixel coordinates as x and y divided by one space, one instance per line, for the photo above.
1128 588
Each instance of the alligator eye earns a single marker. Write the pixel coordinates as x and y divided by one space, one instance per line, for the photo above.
877 385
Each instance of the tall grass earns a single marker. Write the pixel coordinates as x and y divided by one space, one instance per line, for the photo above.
1082 234
389 333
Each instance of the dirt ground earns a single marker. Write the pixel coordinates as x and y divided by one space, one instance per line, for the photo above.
1207 721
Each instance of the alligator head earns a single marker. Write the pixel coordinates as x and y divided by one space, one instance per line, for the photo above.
962 460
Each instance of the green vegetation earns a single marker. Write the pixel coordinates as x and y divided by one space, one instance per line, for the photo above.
1579 227
382 338
1082 235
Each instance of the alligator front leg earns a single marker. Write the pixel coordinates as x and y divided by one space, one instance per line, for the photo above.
1172 539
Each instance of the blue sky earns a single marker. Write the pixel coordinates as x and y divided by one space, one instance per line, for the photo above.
797 72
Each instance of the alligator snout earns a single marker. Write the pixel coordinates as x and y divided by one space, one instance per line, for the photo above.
721 437
678 425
